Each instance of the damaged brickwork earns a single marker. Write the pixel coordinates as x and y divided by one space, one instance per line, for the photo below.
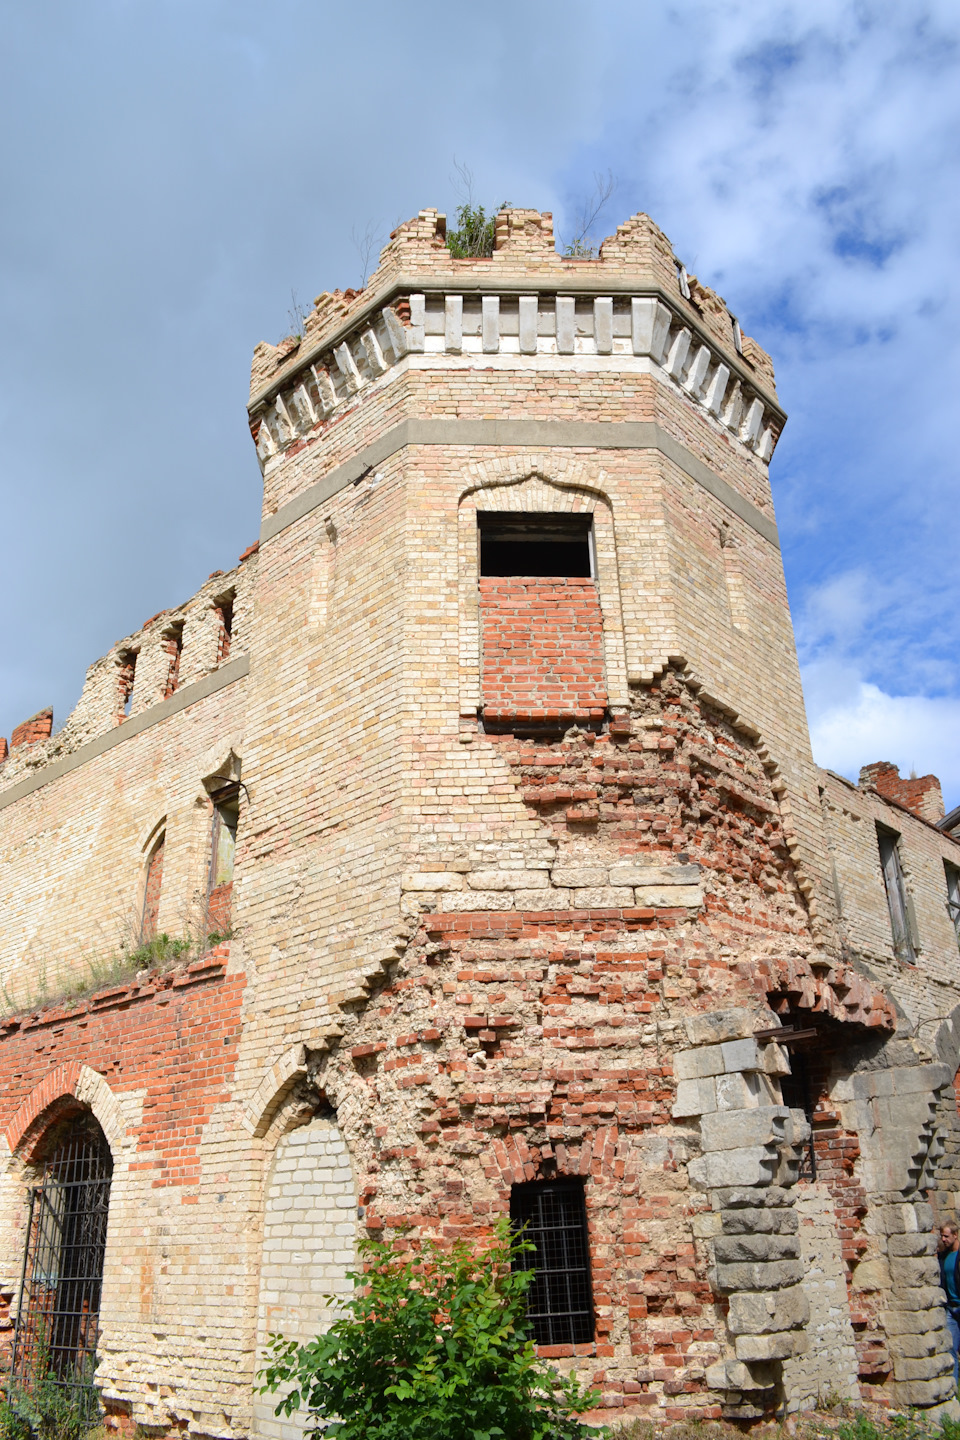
495 872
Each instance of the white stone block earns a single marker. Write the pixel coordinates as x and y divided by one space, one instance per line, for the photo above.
490 325
695 1097
577 877
717 389
650 324
603 324
698 370
453 323
566 324
666 896
677 355
720 1169
529 313
659 875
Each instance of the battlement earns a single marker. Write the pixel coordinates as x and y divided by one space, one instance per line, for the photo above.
523 301
920 794
170 653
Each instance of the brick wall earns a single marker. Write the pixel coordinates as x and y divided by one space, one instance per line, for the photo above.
309 1243
542 646
919 793
38 727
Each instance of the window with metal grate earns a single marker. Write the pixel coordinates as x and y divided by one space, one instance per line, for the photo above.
553 1215
59 1305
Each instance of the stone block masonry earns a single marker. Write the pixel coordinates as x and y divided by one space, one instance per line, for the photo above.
533 877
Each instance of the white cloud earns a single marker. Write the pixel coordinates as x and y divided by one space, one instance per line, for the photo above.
915 732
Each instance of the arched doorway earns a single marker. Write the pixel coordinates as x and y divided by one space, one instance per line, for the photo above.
58 1309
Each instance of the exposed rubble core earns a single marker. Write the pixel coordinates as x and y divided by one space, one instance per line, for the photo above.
466 836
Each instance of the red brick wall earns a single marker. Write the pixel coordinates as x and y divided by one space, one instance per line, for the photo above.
920 794
38 727
542 649
174 1037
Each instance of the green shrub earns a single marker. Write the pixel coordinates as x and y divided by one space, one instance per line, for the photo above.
473 237
434 1345
44 1409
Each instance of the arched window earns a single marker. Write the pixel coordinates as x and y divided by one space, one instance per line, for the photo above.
59 1305
151 891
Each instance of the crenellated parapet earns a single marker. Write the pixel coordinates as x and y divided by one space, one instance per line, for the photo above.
524 305
161 664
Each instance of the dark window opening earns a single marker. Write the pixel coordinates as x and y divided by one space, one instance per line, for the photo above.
797 1093
897 902
226 814
125 679
953 896
553 546
173 645
553 1215
151 892
224 609
59 1304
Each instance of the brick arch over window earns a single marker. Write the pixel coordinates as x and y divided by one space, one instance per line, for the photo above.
62 1089
520 484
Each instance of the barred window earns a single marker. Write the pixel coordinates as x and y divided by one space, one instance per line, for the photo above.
59 1305
553 1215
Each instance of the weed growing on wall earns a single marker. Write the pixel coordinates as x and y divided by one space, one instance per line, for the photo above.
473 237
434 1345
45 1409
159 954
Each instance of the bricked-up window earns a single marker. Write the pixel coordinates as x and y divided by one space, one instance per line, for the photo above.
897 901
553 1215
173 646
541 626
224 609
62 1273
953 896
226 813
151 892
125 678
548 545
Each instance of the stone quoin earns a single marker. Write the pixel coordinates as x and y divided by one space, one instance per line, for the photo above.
488 768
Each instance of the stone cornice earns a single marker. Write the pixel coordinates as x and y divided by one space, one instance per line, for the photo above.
542 434
371 314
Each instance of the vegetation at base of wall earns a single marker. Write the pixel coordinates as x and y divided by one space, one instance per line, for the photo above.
47 1410
434 1344
473 237
840 1420
162 953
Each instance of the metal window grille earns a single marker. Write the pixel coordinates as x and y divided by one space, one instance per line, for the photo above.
59 1305
553 1215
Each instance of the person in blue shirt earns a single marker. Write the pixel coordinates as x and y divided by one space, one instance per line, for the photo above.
949 1251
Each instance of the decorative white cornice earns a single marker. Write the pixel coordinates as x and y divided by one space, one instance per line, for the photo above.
521 325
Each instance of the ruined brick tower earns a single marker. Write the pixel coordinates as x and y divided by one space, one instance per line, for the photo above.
521 873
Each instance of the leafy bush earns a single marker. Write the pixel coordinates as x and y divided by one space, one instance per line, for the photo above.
473 237
46 1410
434 1345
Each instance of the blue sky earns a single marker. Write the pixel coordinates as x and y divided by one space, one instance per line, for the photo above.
172 170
